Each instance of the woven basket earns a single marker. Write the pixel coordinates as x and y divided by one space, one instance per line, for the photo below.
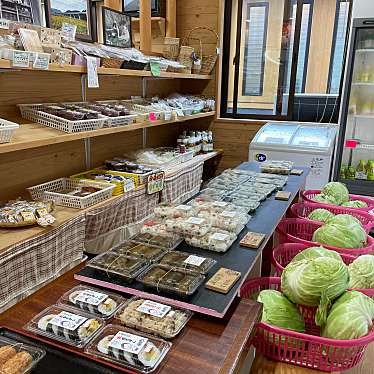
114 63
171 48
185 55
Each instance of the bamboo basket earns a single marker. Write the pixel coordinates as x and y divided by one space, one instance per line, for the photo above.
114 63
185 54
171 48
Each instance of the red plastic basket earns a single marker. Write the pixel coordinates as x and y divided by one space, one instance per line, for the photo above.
300 230
305 350
302 210
309 194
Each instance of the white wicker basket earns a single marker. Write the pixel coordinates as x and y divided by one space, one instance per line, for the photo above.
53 191
33 113
7 129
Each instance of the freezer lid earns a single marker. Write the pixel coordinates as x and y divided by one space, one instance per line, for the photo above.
276 133
314 137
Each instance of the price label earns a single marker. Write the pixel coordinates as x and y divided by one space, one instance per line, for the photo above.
220 237
92 76
4 23
167 116
68 321
21 59
28 216
154 309
155 69
196 220
184 207
220 204
41 61
194 260
127 342
152 117
68 31
228 214
91 297
155 183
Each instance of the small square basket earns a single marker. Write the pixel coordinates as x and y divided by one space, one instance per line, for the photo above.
7 129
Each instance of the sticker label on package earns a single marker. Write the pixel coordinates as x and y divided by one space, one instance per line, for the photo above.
127 342
194 260
220 237
184 207
21 59
4 24
154 309
41 61
68 321
220 204
196 220
68 31
91 297
167 116
92 76
228 214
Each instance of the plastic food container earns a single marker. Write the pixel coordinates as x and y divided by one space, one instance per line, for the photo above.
92 300
251 196
67 325
115 264
157 227
171 280
128 348
169 243
194 226
276 167
232 221
187 261
172 211
14 351
212 193
139 250
216 241
248 205
153 318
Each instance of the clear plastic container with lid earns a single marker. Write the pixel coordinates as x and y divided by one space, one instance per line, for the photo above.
153 318
100 303
212 194
216 240
248 205
168 243
276 167
67 325
138 250
156 226
194 226
174 211
130 349
214 206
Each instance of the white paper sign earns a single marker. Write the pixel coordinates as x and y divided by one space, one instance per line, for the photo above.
68 31
195 220
21 59
4 24
220 237
220 204
68 321
228 214
184 207
194 260
92 76
41 61
91 297
154 309
127 342
167 116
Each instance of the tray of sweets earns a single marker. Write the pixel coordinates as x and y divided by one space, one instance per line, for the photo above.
168 243
216 240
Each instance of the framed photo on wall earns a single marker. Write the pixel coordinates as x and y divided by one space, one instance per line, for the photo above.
80 13
116 28
24 11
131 7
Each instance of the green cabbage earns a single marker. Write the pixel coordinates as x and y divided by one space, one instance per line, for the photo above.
314 252
350 317
279 311
355 204
345 219
325 199
361 272
322 215
336 190
340 236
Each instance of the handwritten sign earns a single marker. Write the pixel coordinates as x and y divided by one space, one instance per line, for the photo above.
155 183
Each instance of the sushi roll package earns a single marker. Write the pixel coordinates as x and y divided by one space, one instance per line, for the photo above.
153 318
17 357
247 205
67 325
171 280
168 243
174 211
139 250
216 240
128 348
115 264
194 226
91 300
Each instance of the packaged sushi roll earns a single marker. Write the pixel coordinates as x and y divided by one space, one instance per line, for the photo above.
174 211
214 206
139 250
115 264
247 205
128 348
153 318
171 280
92 300
216 240
67 325
187 261
165 242
194 226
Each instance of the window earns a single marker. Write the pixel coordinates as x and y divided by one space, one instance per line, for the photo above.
255 43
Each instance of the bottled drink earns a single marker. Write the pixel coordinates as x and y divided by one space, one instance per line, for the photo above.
351 173
361 170
370 170
210 141
205 145
343 171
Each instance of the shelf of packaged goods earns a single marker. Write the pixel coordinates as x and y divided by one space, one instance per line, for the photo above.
367 84
32 135
356 144
6 64
365 50
359 187
364 116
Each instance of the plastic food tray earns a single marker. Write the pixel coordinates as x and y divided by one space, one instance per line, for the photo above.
140 250
216 241
34 113
165 279
7 129
194 226
40 325
168 243
53 190
153 318
37 354
174 211
128 360
92 300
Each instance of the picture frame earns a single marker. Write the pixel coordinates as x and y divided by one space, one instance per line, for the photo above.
81 13
25 11
131 7
116 28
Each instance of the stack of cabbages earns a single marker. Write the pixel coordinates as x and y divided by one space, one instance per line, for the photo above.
318 277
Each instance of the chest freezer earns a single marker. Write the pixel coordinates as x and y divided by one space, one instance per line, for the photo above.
305 144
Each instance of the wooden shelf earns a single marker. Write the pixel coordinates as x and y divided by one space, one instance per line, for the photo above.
33 135
161 22
6 64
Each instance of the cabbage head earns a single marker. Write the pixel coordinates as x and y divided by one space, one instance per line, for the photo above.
325 199
361 272
355 204
340 236
350 317
314 252
279 311
345 219
321 215
336 190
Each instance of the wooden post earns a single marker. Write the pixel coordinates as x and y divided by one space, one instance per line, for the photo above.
114 4
145 26
171 18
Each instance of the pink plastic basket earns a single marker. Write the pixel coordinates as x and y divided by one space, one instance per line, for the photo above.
309 194
302 210
300 230
305 350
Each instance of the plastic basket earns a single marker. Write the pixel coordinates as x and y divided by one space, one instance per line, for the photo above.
296 230
307 350
7 129
302 210
308 196
53 191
